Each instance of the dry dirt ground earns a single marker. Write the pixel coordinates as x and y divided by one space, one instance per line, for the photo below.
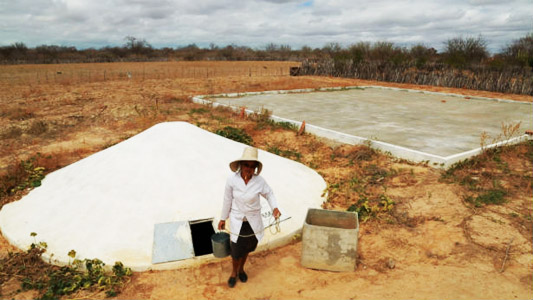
432 244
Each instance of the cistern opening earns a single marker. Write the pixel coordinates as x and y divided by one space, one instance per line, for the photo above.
201 231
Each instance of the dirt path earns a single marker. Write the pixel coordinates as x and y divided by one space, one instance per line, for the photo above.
278 275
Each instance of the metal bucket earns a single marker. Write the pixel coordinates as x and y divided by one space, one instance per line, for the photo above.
220 242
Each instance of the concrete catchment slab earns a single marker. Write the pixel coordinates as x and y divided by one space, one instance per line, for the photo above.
415 125
122 203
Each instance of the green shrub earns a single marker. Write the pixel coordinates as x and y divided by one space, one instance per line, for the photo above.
283 125
53 282
367 208
363 207
200 110
29 176
236 134
494 196
285 153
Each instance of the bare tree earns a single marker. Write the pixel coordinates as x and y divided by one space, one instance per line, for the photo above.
271 47
520 52
382 51
421 54
462 52
332 48
360 51
137 46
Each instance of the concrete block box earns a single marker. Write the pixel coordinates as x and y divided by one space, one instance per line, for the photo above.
329 240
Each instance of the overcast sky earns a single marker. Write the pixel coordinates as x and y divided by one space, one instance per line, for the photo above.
256 23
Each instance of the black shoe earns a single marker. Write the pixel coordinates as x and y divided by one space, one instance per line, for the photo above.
243 277
232 281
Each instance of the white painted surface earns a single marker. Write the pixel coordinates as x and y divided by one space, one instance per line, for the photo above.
105 206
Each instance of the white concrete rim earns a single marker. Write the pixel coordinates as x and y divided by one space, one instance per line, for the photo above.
412 155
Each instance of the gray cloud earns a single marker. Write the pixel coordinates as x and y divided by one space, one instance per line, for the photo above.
283 1
258 22
484 2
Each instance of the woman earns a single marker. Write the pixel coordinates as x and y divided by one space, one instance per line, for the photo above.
242 206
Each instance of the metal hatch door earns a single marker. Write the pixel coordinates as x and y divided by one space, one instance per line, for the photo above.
172 241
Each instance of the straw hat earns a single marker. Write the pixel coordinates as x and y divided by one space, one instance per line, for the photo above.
249 154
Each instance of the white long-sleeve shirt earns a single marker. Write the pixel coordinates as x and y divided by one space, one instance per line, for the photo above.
242 200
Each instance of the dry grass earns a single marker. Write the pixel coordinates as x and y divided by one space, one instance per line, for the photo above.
67 74
67 122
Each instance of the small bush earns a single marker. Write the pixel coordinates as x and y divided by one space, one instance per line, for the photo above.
12 132
34 175
283 125
367 208
18 114
363 154
375 173
285 153
494 196
198 111
26 174
362 207
53 282
38 128
263 120
263 116
236 134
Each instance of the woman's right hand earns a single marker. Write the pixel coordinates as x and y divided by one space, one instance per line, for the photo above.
222 225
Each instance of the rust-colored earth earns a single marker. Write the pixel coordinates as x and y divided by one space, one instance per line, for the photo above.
432 245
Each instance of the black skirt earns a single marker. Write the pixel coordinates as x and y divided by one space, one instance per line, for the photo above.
244 245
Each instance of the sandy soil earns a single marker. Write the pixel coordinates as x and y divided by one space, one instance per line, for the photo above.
437 247
447 255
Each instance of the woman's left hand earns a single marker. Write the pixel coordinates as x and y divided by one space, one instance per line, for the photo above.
276 213
222 225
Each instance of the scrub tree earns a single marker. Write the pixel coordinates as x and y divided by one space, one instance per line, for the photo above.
462 52
520 52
